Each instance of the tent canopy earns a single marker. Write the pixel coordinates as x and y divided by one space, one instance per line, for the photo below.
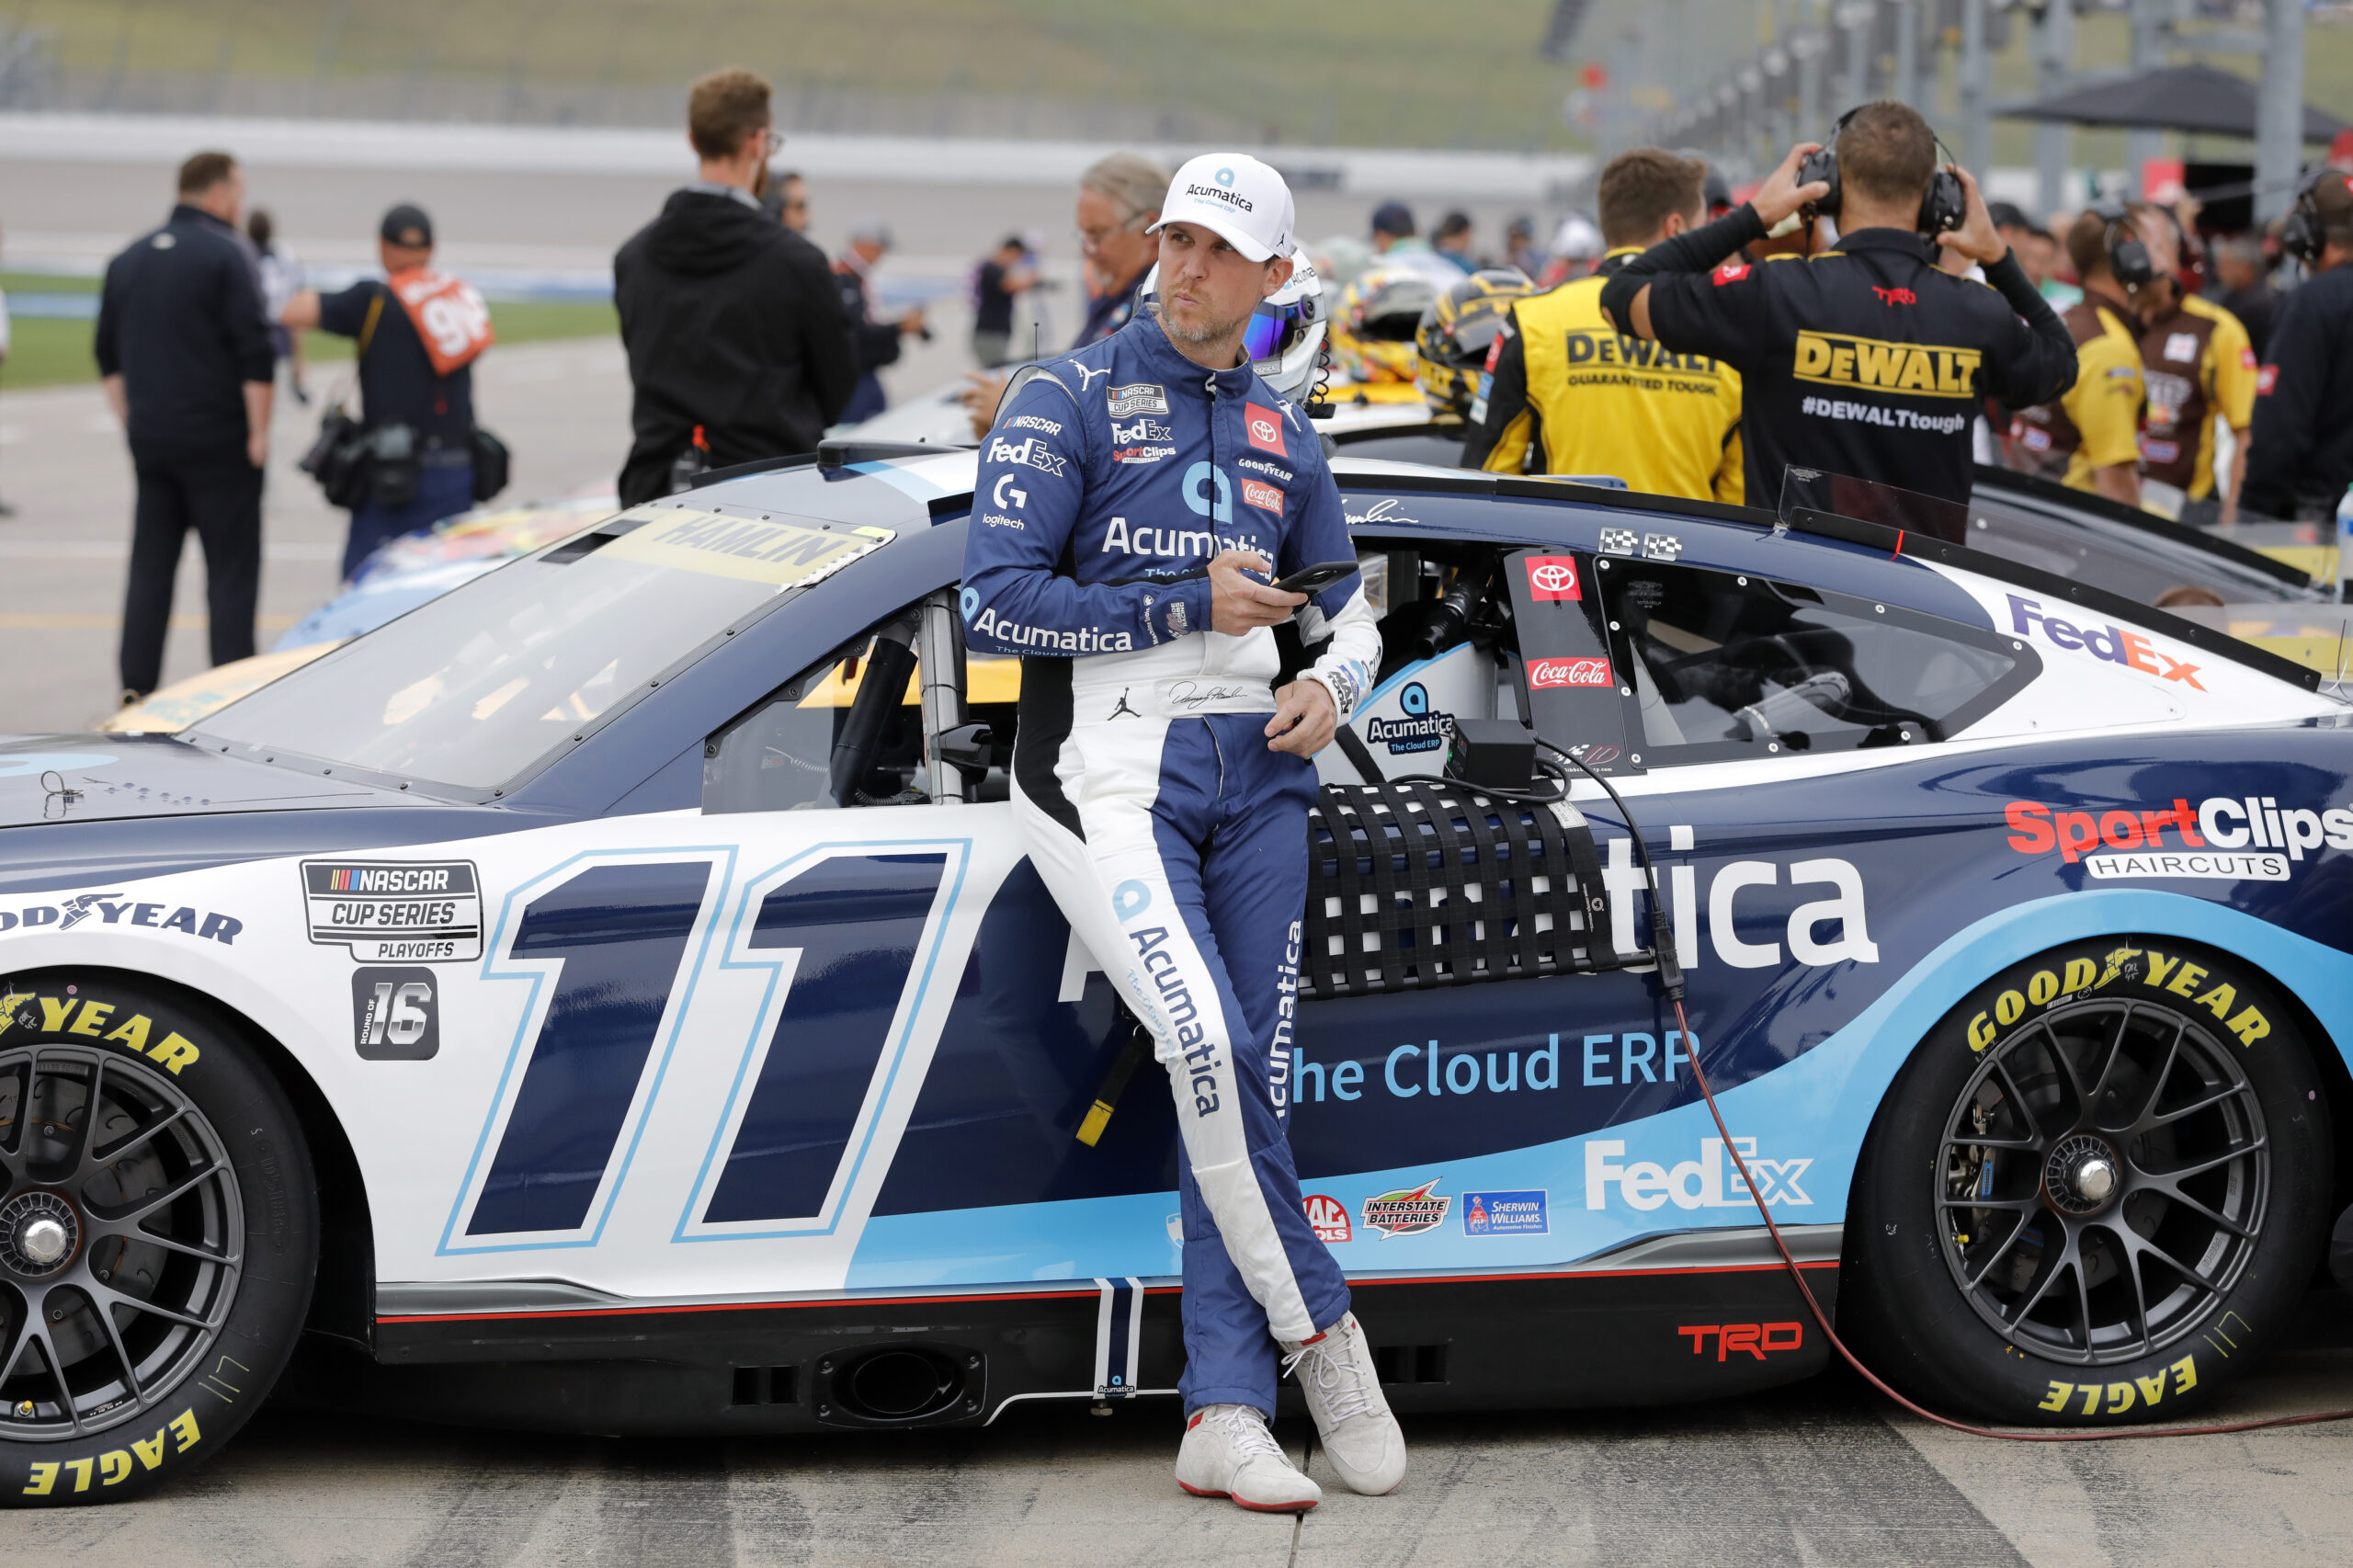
2198 98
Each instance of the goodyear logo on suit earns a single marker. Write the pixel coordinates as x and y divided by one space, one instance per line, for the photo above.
1921 369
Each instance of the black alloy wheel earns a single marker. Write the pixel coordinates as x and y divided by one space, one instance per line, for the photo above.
2104 1181
2095 1191
158 1235
122 1239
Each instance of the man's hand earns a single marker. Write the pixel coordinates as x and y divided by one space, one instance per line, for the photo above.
1976 238
1304 719
979 399
117 398
258 448
1781 195
1238 605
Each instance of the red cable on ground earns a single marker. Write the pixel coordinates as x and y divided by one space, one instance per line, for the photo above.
2116 1435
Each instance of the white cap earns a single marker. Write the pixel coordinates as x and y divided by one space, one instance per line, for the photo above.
1236 195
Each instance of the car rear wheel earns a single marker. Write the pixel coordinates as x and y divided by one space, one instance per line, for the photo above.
158 1236
2094 1192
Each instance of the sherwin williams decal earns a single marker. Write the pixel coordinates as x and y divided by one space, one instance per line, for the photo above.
1504 1214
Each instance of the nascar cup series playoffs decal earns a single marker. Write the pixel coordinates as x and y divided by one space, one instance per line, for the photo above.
388 912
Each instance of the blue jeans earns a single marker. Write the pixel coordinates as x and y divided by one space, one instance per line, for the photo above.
443 489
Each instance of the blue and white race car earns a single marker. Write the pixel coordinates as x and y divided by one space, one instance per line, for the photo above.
613 997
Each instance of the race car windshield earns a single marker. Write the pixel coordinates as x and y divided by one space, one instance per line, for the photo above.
473 687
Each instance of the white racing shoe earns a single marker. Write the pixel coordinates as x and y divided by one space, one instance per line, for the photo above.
1227 1452
1334 1370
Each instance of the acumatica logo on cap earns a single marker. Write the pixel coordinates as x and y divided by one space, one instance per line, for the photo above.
1237 196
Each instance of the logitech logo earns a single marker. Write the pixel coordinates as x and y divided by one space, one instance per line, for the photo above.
1020 498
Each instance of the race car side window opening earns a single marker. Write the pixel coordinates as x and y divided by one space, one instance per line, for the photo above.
470 689
1724 665
780 757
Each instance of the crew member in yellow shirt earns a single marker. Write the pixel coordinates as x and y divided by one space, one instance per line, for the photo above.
2197 361
2090 437
1565 393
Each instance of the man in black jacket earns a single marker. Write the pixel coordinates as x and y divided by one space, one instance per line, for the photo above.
2301 459
1866 360
737 347
185 357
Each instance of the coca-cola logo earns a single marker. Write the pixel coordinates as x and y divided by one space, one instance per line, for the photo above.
1542 673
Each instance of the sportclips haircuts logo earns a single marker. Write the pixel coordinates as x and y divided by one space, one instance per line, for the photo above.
2226 837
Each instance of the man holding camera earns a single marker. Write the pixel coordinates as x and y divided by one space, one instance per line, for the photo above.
1865 359
416 336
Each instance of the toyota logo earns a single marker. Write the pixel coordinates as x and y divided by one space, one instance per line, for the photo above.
1553 576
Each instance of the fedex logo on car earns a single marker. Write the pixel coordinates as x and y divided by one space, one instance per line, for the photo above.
2111 642
1266 430
1542 673
1709 1182
1553 577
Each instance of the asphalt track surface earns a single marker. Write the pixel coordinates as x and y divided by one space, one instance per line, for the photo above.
1823 1472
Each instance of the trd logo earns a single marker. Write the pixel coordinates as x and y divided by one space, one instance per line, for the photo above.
1757 1339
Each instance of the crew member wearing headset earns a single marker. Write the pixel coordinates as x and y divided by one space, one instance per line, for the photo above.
1564 393
2301 460
1864 360
1133 498
2090 439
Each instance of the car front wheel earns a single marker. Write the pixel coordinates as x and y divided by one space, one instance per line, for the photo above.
2096 1190
158 1236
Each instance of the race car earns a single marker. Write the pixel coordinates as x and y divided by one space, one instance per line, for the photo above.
613 997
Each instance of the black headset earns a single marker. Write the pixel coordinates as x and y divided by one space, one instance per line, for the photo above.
2128 257
1945 205
2305 234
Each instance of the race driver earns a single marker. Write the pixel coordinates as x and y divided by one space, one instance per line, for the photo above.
1864 360
1134 496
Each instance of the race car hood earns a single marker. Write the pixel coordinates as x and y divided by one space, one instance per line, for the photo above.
95 778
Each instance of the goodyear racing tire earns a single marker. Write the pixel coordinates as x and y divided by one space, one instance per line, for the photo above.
158 1236
2096 1191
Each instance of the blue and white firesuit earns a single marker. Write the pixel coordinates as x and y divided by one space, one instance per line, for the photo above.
1173 840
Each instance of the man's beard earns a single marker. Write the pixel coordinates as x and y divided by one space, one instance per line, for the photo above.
1200 337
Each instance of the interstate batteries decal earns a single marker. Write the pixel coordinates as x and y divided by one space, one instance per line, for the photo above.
421 911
